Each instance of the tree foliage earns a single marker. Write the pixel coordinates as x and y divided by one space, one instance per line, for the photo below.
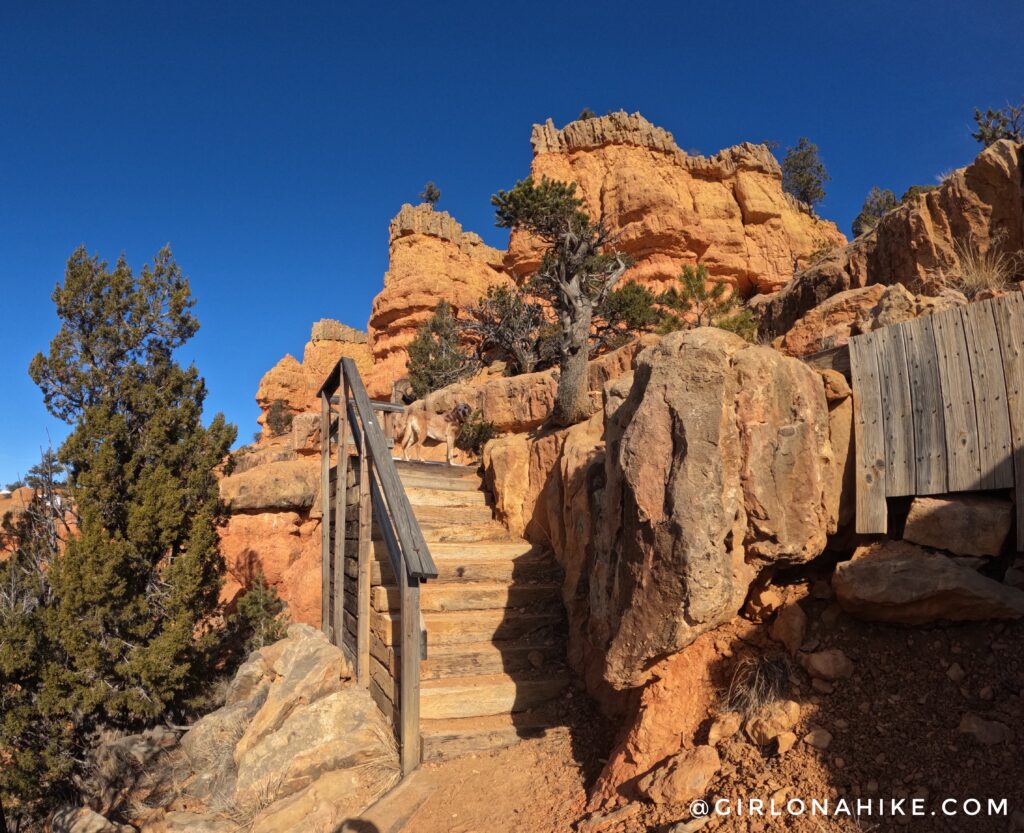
915 191
436 358
700 302
586 114
279 418
430 194
1005 123
578 270
878 203
475 433
510 323
803 173
119 633
626 311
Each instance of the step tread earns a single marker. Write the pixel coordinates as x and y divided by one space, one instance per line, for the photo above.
516 680
488 694
470 595
420 496
446 738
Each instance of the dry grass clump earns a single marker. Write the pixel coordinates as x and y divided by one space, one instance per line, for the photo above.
756 682
990 268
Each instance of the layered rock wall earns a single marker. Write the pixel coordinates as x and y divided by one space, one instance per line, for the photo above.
727 211
978 209
431 259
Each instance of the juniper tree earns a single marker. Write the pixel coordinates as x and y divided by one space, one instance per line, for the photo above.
803 173
436 357
878 203
125 614
507 321
430 194
626 310
993 125
578 270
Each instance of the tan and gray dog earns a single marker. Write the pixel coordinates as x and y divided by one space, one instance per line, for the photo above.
422 425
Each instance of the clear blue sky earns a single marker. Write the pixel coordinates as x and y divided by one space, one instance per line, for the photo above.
270 143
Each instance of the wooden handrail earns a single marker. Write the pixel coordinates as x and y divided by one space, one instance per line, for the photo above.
381 497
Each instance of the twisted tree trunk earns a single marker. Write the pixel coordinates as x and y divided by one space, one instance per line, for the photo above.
572 401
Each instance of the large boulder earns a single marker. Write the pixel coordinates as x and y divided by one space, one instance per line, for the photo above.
962 524
896 581
718 464
283 486
670 208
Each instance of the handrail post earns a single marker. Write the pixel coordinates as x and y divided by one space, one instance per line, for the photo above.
409 733
340 503
325 509
364 567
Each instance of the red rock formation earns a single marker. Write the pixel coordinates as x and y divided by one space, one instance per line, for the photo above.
726 211
919 244
431 259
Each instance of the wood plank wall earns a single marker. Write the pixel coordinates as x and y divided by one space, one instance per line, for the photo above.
939 407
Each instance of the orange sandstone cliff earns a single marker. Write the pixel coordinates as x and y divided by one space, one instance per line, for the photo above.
727 211
430 259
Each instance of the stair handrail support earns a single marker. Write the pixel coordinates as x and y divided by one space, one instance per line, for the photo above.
381 495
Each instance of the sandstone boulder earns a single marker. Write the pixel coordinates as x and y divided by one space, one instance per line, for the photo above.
896 581
789 627
717 463
671 208
682 777
284 485
830 665
309 669
84 820
962 524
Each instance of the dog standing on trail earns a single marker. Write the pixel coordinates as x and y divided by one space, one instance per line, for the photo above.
421 425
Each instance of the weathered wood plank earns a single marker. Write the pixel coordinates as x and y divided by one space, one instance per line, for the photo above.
325 524
959 418
926 394
340 506
872 511
409 679
897 412
365 531
995 456
1009 317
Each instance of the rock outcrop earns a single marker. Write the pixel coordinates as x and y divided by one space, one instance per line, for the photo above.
919 244
896 581
295 745
968 525
295 383
727 211
739 483
431 259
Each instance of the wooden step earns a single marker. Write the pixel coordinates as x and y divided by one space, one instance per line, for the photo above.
477 562
455 516
453 737
437 471
471 595
472 659
488 694
418 480
446 497
462 626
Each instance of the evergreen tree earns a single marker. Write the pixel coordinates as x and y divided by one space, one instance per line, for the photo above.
879 202
586 114
700 302
993 125
803 173
578 270
430 194
121 622
508 322
436 358
627 310
49 470
914 191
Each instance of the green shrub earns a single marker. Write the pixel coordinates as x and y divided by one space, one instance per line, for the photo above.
993 125
436 357
259 618
475 433
878 203
279 418
430 194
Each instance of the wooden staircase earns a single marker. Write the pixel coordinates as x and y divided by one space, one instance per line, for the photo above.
494 670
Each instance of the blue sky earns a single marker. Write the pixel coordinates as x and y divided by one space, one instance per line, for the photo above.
270 143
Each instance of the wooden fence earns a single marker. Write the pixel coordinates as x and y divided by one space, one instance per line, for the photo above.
939 407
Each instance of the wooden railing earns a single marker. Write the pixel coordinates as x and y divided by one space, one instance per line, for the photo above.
382 499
